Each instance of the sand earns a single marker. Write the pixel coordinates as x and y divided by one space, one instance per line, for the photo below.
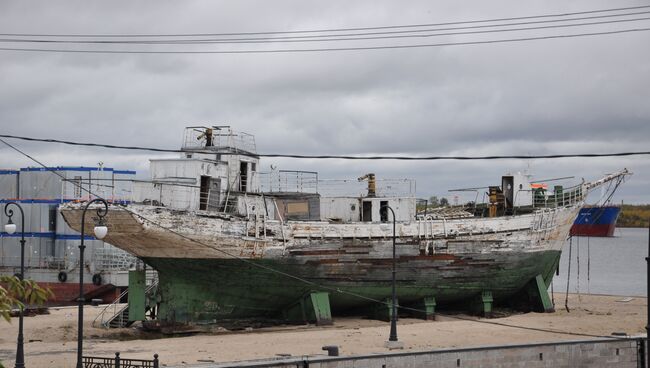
50 340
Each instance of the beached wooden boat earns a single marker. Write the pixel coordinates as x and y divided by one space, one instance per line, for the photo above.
229 242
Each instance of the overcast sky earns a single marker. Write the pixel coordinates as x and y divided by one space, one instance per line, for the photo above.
573 95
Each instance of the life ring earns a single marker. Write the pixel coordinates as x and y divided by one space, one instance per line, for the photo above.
63 277
97 279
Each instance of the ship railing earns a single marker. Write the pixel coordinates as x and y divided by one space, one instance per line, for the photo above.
223 138
178 196
560 198
47 262
112 189
290 181
287 181
115 308
356 188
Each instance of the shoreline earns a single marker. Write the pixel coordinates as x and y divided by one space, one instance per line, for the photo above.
50 339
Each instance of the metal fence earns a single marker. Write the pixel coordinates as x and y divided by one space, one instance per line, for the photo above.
118 362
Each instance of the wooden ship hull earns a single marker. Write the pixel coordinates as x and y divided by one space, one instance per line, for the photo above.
230 242
219 268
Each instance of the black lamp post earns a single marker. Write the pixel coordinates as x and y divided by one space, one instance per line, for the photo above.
100 232
647 326
10 228
392 340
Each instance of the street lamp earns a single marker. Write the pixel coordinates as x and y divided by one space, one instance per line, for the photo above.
10 228
100 232
392 339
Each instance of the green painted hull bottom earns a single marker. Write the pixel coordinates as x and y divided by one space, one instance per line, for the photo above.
209 290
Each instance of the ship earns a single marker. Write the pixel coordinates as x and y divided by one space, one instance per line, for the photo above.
230 242
599 221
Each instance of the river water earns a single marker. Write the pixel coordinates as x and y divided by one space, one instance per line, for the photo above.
614 266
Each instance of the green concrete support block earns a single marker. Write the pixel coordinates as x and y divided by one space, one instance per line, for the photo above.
487 300
137 285
311 308
539 295
383 311
427 309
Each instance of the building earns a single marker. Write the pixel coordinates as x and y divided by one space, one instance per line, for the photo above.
52 247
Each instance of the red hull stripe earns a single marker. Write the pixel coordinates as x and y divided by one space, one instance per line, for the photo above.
593 230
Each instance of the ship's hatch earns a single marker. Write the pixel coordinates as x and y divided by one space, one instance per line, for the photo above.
507 186
366 213
205 193
243 175
213 194
383 211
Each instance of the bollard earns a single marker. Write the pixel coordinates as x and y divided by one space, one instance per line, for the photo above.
117 359
155 360
332 350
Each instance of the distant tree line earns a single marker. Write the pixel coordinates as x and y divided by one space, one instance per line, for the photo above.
634 215
434 202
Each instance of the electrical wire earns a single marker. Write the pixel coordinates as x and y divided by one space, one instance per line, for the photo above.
305 281
329 49
553 15
349 36
343 157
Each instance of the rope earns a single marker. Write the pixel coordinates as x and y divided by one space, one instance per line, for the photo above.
588 266
568 278
578 273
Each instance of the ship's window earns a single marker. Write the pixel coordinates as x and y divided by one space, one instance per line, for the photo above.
253 166
298 208
188 155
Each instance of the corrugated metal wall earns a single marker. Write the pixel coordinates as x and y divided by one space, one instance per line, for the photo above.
50 242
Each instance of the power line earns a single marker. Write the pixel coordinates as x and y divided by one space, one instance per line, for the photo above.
342 157
363 48
349 36
332 29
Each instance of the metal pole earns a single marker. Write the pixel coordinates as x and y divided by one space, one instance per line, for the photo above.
82 247
393 319
647 326
81 300
20 352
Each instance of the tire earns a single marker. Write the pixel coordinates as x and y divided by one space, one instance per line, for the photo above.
63 277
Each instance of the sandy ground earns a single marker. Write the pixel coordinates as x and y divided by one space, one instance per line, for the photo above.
50 340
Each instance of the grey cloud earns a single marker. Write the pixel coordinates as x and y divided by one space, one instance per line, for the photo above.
577 95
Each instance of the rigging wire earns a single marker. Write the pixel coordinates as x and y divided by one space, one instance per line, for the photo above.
305 281
348 36
568 277
578 270
552 15
588 266
329 49
344 157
